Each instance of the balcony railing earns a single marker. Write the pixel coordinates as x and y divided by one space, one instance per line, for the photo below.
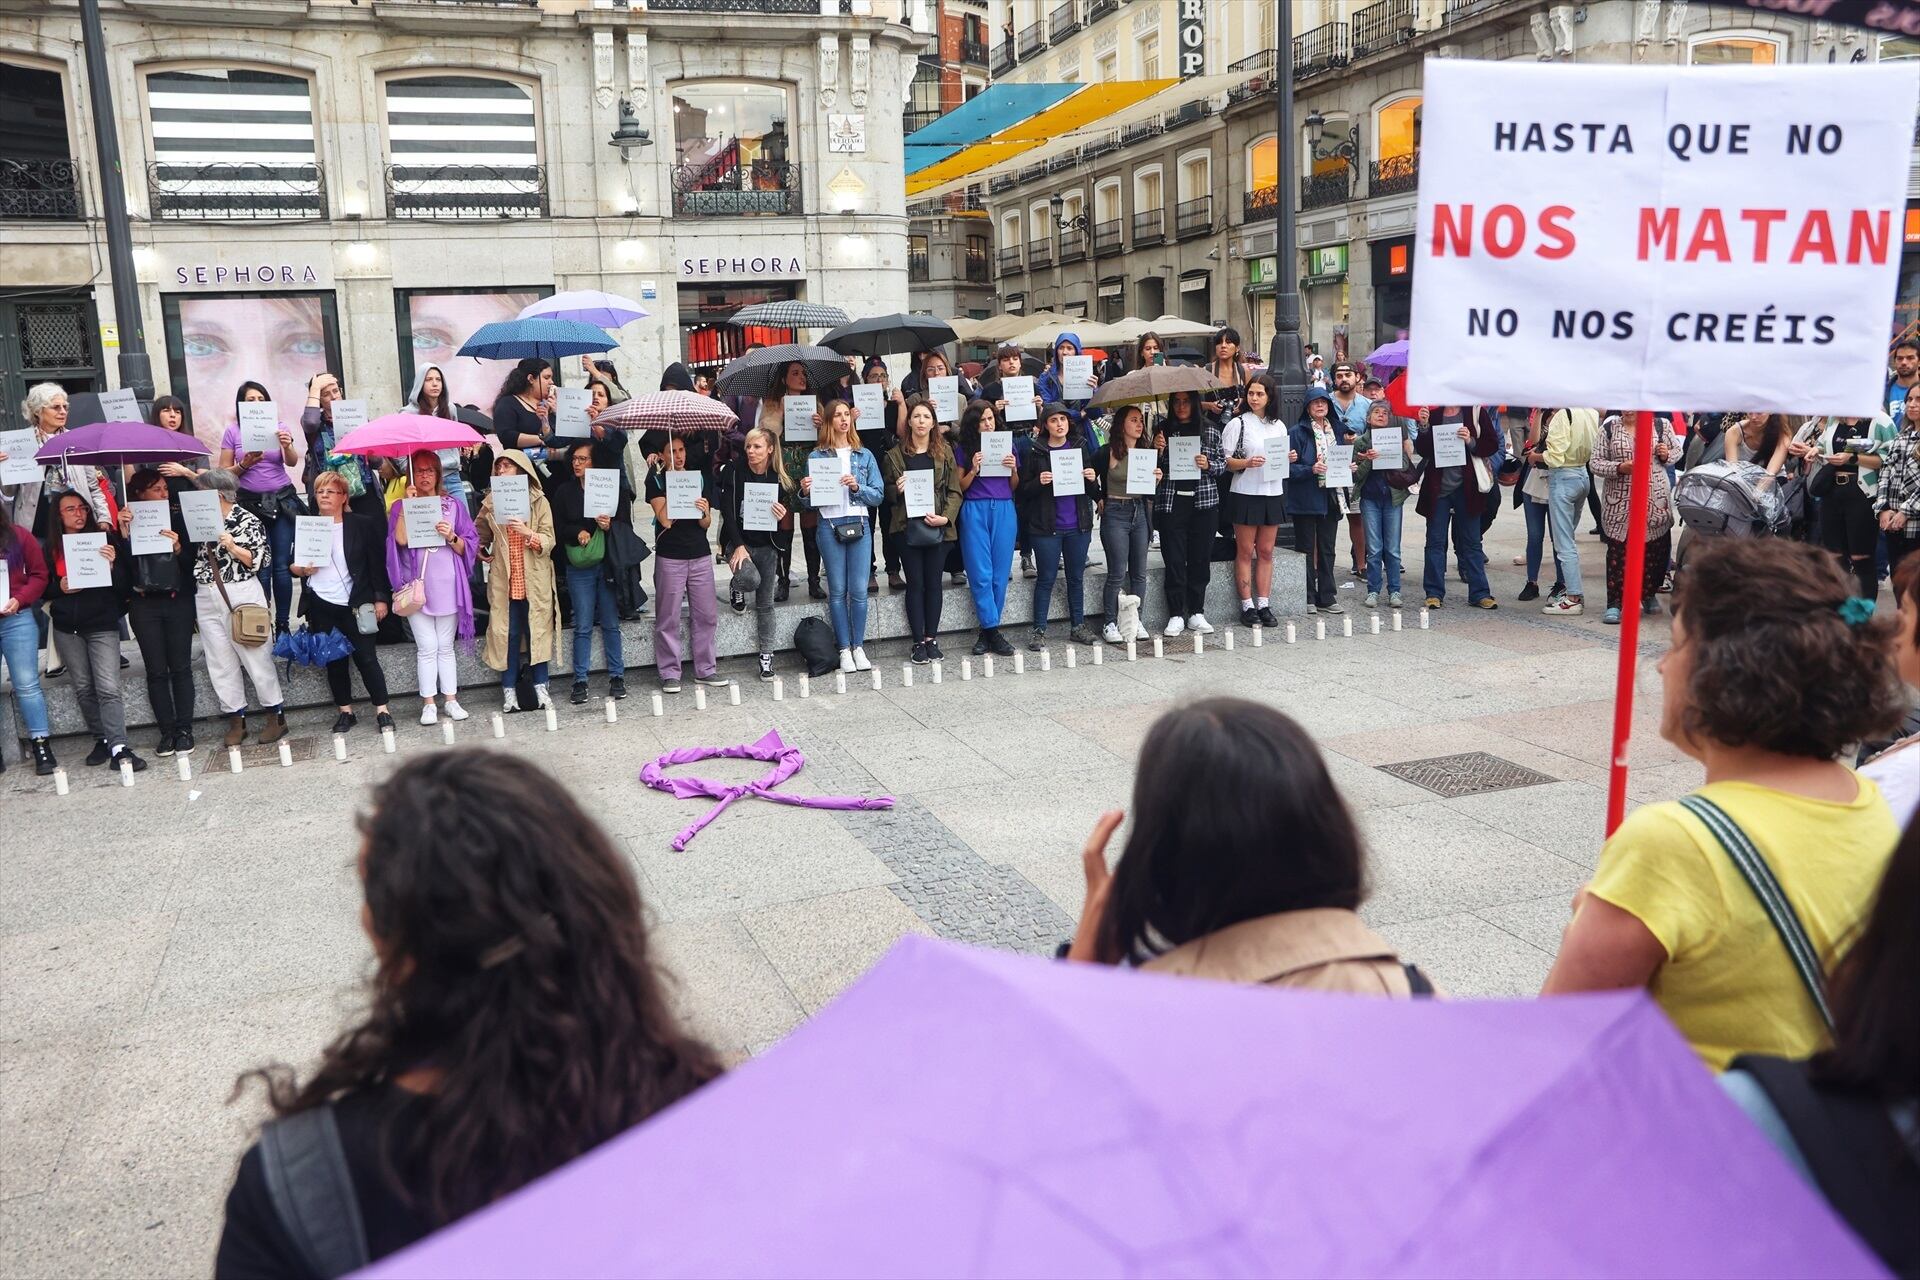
1189 113
1193 217
1140 131
1039 253
760 188
1325 47
1107 237
39 190
1003 59
1394 175
973 52
919 268
1009 259
1101 8
1459 9
1005 182
979 270
1383 25
918 118
1258 204
1073 244
236 192
1258 68
1319 190
1033 38
466 191
1065 21
1149 227
807 8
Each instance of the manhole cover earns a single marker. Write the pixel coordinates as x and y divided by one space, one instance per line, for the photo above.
253 755
1471 773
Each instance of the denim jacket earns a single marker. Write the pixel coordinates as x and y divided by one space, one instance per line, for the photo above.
866 474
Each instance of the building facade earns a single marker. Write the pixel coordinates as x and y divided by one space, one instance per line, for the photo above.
356 187
949 241
1175 214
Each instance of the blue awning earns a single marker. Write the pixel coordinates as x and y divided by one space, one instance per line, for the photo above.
999 108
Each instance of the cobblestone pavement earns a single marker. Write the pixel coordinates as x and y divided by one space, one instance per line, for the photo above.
156 941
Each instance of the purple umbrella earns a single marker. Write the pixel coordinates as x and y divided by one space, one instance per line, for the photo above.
131 443
1391 355
973 1113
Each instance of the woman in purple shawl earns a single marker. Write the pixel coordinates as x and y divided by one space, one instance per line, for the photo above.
444 574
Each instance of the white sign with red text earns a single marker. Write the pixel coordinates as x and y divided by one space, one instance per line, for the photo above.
1707 238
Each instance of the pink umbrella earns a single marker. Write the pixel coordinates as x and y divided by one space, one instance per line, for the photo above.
400 435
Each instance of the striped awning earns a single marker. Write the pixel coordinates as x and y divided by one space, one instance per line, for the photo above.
1010 119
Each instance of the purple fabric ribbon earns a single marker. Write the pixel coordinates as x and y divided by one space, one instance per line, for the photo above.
787 762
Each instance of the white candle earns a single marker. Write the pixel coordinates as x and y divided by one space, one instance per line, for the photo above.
1423 619
386 742
966 669
1289 633
906 674
876 679
1019 664
233 759
1396 619
1346 626
937 671
499 726
1259 637
446 732
1070 656
1159 647
1319 628
1229 639
699 698
779 689
989 666
1373 624
733 694
659 706
806 686
839 682
126 771
613 714
60 782
1133 651
1046 658
1199 643
286 754
553 719
1100 654
340 746
184 763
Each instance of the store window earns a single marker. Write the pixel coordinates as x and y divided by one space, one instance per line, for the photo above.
232 143
431 326
280 340
1262 164
733 149
1743 49
463 146
1396 128
708 339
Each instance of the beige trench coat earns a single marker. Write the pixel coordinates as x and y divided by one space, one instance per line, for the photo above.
1320 949
543 604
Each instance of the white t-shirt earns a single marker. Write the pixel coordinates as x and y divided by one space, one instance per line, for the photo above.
331 581
1251 481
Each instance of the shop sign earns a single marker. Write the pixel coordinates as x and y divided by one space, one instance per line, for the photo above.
1328 263
1192 33
783 261
847 134
1260 270
264 274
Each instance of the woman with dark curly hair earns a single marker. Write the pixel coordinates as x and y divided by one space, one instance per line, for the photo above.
1765 689
517 1020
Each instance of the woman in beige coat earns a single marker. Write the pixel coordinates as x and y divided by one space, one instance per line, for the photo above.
522 606
1243 865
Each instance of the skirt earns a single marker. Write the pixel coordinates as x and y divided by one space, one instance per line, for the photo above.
1255 508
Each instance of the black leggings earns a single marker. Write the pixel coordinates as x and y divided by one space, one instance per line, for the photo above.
323 614
924 589
784 540
1849 530
163 627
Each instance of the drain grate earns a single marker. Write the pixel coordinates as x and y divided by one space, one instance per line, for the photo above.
255 754
1471 773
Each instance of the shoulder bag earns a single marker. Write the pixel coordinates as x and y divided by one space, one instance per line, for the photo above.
592 554
310 1185
412 598
1754 870
248 625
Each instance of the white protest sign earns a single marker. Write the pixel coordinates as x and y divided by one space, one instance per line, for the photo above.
20 468
1701 238
799 411
570 405
1183 454
1389 447
1019 394
1069 479
510 499
259 426
996 453
1141 464
1076 373
200 512
86 567
600 492
946 398
1449 450
6 582
120 405
756 507
919 494
869 407
348 415
147 533
1340 466
312 541
826 494
683 495
421 516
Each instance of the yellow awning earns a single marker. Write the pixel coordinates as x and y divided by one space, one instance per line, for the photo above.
1091 104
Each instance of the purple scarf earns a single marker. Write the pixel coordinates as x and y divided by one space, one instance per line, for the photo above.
405 564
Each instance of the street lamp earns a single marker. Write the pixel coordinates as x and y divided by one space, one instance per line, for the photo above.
1078 222
629 135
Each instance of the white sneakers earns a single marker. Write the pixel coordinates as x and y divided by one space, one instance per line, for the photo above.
1176 625
455 711
1198 622
860 662
846 661
430 714
1565 607
1111 634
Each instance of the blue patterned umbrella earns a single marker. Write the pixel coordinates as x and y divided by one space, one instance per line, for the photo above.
546 339
305 648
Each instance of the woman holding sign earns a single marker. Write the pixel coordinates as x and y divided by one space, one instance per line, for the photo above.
346 591
584 513
86 600
521 605
160 608
795 431
226 575
1058 479
1189 508
437 579
926 486
1132 474
843 480
259 451
23 581
988 523
1318 506
755 500
1256 504
1069 382
683 569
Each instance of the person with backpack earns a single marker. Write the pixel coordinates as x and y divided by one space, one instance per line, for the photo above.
1612 462
516 1018
1564 449
1243 864
1728 904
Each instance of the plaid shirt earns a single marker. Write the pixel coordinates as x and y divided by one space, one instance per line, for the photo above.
1206 492
1899 488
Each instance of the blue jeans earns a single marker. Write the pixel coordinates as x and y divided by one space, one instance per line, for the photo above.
1048 548
847 565
1123 535
1536 513
593 602
1452 509
1566 500
280 567
519 627
1381 517
988 527
20 648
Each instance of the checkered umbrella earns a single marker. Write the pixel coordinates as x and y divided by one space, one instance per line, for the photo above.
679 412
790 315
753 374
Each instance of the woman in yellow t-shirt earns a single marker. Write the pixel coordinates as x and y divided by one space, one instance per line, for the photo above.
1773 671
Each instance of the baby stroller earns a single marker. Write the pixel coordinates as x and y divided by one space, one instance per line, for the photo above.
1729 499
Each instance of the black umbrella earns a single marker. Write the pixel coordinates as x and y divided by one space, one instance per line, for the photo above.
886 335
753 373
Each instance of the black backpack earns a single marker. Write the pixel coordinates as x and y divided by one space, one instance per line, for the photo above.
814 639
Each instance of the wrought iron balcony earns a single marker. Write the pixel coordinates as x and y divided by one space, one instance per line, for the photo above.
917 118
805 8
1003 59
761 188
919 268
1322 49
1065 160
236 192
1394 175
1040 253
1141 130
1383 25
1009 259
1259 204
1193 217
979 270
1458 10
1101 8
1033 38
1319 190
39 190
1065 20
1149 227
466 191
1107 237
973 52
1005 182
1189 113
1073 244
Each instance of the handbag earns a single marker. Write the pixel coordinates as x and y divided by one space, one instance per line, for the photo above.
591 555
248 625
849 530
922 534
412 598
1482 473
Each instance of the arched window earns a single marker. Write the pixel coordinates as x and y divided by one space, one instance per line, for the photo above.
1263 164
463 145
1739 48
231 143
733 149
1396 127
1010 237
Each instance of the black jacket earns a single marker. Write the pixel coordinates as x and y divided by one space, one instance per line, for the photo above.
92 609
1036 500
363 541
728 485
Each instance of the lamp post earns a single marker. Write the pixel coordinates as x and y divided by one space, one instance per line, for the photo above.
1286 357
136 371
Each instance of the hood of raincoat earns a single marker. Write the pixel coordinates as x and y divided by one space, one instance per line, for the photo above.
676 378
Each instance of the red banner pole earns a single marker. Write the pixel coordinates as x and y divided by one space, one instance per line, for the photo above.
1630 616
